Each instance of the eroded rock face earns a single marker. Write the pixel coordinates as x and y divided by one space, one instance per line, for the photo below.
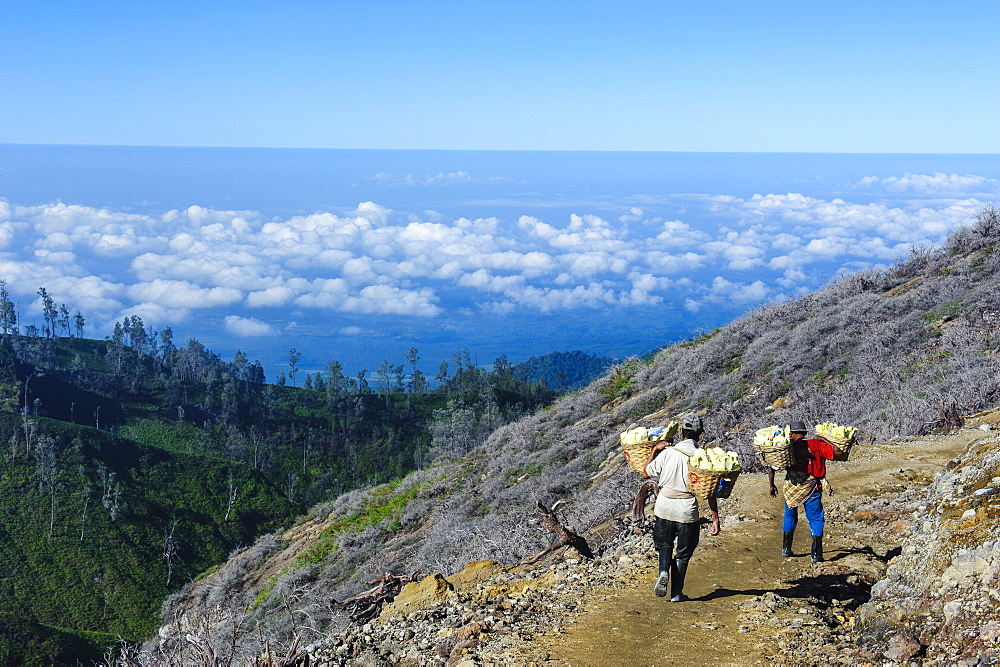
419 594
940 598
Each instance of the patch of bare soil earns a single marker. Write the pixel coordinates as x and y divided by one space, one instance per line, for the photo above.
748 604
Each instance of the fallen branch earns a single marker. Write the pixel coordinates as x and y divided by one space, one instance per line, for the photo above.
566 536
365 606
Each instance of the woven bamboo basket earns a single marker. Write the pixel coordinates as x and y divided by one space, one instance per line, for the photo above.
778 455
636 455
707 484
843 444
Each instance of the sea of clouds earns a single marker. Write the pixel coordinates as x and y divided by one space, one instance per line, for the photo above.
257 276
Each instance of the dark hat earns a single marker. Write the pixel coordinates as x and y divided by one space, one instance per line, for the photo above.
691 422
797 427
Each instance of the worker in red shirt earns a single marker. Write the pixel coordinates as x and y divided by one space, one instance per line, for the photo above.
804 486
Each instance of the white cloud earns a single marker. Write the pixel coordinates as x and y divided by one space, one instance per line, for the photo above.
247 327
792 277
635 214
479 226
439 179
387 300
643 290
56 259
590 264
738 292
271 297
937 184
182 294
827 247
550 299
680 235
152 314
375 261
372 212
484 280
7 234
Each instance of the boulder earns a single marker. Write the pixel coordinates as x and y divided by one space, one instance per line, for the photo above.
418 595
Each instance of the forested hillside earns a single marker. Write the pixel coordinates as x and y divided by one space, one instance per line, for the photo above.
132 466
97 529
898 351
564 370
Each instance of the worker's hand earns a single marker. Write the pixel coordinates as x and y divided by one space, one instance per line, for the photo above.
716 528
774 491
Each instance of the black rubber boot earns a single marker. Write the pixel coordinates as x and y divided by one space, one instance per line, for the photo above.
786 545
677 574
660 588
817 549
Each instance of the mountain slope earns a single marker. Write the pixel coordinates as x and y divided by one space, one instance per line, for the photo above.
132 466
97 529
894 352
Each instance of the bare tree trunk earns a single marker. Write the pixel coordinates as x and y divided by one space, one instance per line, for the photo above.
52 513
170 549
233 490
566 536
365 606
83 514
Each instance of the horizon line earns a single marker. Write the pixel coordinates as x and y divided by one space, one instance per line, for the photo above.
492 150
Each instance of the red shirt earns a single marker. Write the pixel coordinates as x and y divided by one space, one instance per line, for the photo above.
811 456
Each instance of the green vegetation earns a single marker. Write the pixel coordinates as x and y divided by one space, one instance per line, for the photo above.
698 340
132 466
24 641
945 311
98 529
564 370
619 381
383 509
740 389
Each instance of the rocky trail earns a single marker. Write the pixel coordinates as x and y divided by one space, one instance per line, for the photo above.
748 604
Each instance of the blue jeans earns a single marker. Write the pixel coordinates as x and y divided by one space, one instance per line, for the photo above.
814 513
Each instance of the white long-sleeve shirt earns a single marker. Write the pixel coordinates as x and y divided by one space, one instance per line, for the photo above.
670 469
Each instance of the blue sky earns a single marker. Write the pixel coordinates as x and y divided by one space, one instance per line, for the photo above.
540 75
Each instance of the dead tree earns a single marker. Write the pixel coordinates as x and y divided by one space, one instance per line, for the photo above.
365 606
567 538
949 419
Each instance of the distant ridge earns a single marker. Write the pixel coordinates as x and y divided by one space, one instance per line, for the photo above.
564 370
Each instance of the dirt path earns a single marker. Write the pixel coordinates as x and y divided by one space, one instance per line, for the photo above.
736 570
